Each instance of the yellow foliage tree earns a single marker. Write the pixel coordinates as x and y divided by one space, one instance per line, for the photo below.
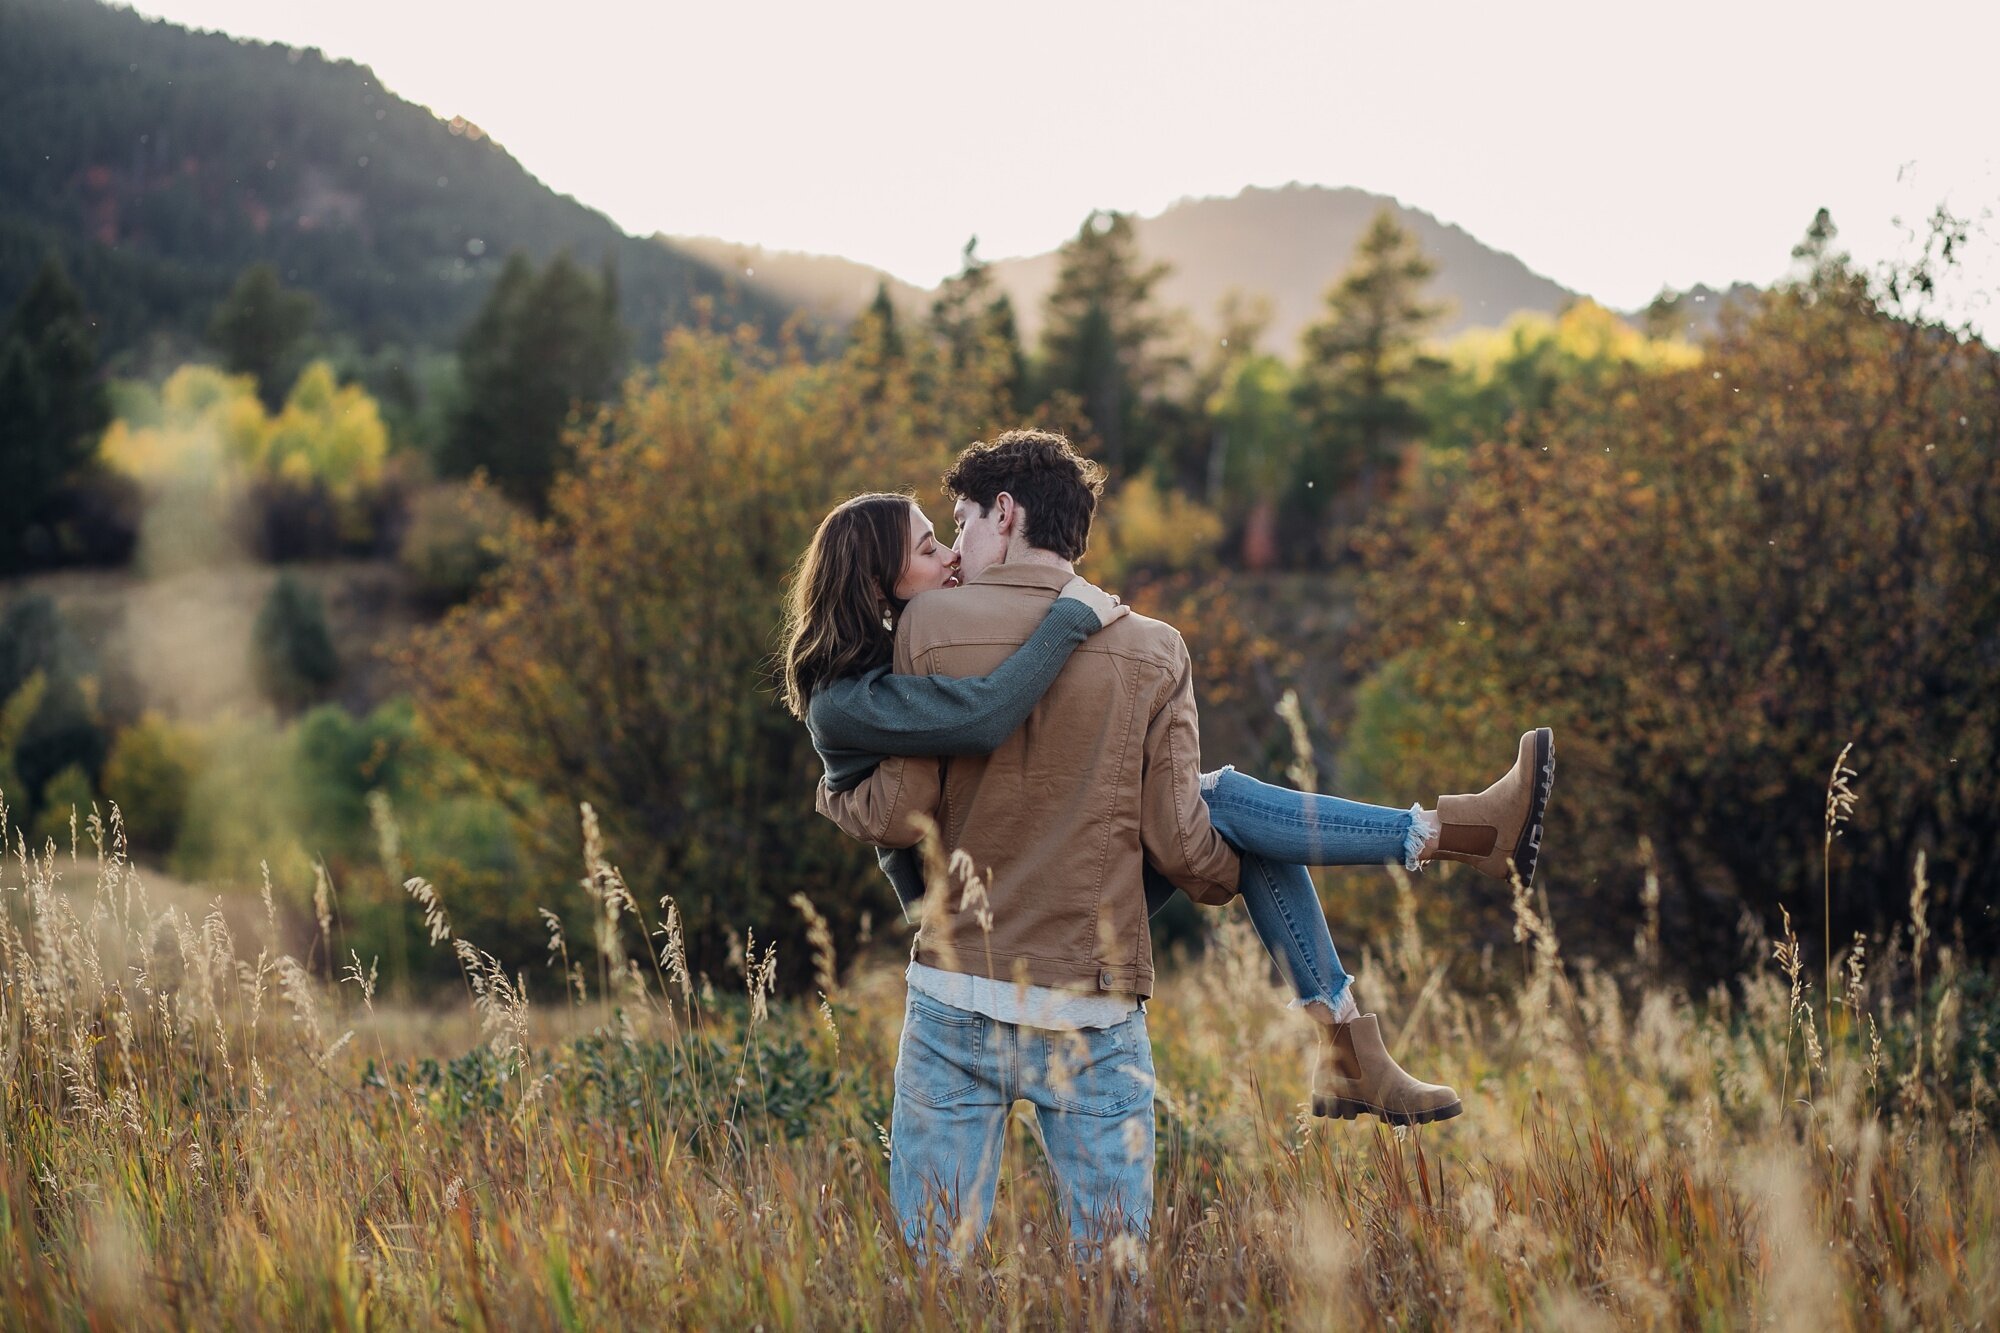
1145 527
327 434
1494 375
204 443
203 427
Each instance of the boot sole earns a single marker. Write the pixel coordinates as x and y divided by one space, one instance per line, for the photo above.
1528 848
1343 1108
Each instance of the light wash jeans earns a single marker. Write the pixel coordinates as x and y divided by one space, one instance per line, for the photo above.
958 1073
1280 832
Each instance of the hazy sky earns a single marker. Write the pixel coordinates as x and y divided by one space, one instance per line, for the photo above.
1612 147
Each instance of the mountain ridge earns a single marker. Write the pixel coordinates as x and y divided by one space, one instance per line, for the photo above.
158 161
1287 243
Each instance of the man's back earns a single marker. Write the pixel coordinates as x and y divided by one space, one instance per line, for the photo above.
1059 821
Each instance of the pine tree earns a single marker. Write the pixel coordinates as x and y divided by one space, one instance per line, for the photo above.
52 408
543 345
877 351
260 330
1103 339
1359 370
975 322
882 317
1823 271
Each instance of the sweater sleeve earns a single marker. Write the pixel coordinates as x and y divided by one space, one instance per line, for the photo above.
885 713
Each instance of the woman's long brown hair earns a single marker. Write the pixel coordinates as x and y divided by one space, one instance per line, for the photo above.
833 612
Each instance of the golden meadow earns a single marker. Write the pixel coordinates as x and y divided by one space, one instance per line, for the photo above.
202 1130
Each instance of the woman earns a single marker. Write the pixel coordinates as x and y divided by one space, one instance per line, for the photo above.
875 552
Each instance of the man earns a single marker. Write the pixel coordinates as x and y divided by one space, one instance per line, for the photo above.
1033 955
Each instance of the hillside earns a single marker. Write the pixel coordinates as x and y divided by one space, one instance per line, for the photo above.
159 162
827 287
1289 245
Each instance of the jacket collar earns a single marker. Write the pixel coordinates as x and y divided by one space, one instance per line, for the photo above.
1024 574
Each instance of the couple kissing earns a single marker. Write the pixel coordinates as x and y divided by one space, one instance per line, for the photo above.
1045 736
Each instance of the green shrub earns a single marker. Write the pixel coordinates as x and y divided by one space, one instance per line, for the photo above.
147 774
292 652
67 797
15 710
242 809
59 729
376 803
370 799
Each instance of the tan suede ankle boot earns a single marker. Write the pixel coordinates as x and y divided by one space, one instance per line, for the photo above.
1356 1075
1489 829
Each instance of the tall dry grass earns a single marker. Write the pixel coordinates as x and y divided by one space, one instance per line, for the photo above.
200 1130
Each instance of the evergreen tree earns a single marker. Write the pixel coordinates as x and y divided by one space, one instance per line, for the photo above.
34 640
292 650
1822 271
1200 452
1360 367
1103 339
543 346
882 317
975 322
877 350
52 409
260 330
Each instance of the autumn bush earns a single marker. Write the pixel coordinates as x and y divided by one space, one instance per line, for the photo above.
1710 579
452 538
621 653
147 774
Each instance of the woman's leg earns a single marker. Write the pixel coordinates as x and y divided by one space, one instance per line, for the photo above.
1296 826
1284 908
1280 831
1353 1074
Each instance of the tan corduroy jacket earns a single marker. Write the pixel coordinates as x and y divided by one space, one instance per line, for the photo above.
1059 821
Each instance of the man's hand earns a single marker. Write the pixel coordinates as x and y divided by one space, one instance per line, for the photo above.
1106 605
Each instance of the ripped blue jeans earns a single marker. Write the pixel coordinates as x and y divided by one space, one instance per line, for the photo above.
1280 832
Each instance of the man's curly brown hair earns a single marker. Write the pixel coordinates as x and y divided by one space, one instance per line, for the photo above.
1056 487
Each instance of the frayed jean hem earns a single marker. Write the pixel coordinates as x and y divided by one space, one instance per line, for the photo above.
1414 839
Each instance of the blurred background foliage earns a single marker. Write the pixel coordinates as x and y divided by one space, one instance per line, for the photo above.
376 579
